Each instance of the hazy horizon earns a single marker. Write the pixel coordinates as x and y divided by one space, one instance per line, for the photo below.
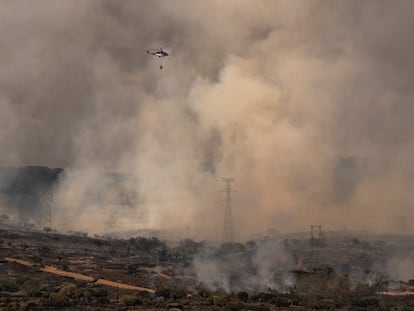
308 104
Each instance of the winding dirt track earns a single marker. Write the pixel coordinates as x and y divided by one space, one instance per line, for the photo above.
73 275
124 286
19 261
157 270
79 276
397 293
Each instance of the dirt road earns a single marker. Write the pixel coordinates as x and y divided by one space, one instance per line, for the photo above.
73 275
79 276
406 293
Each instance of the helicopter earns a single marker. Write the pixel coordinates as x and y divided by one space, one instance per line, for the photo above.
157 52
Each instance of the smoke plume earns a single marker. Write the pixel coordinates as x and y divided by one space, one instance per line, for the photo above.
308 104
235 268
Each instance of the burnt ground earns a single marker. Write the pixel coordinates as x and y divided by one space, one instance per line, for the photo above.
337 273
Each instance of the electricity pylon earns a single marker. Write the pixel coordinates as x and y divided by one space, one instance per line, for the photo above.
228 233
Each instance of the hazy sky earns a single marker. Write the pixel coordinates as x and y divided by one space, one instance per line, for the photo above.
308 103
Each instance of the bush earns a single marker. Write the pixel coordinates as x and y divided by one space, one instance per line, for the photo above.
353 308
32 287
36 259
243 296
8 285
325 304
162 292
174 293
143 294
44 251
398 308
131 300
66 295
148 244
234 306
275 299
63 266
365 302
259 307
280 302
217 300
204 293
100 294
263 297
230 248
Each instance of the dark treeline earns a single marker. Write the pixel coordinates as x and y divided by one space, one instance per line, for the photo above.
24 191
27 192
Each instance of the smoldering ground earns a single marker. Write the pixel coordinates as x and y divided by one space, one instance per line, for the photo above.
238 267
308 104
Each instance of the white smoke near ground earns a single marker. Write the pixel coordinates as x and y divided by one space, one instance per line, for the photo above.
401 268
209 273
260 268
273 259
308 104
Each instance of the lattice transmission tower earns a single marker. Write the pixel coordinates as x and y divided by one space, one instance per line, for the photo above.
47 201
228 231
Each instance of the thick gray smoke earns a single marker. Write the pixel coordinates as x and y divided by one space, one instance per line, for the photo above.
401 267
259 268
307 103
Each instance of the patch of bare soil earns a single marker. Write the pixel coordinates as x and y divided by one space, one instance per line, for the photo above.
73 275
124 286
79 276
404 293
157 270
19 261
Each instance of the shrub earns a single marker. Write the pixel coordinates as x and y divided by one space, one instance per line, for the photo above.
243 296
8 285
280 301
36 259
32 287
325 304
174 293
100 294
44 251
258 307
162 292
204 293
354 308
148 244
66 295
365 302
398 308
131 300
217 300
263 297
238 306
